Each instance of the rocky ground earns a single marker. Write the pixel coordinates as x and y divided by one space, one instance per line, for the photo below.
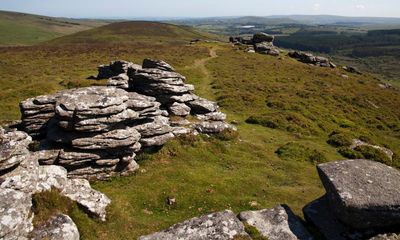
95 133
361 202
21 180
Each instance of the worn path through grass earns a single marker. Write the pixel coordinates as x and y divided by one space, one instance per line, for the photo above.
204 81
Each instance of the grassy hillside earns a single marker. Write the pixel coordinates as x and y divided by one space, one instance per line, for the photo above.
285 112
136 31
27 29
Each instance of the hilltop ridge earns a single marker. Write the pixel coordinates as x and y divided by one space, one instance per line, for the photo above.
26 29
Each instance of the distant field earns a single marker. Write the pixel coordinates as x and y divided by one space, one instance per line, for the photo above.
27 29
374 51
285 111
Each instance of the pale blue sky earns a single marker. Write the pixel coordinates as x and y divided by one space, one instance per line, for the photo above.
202 8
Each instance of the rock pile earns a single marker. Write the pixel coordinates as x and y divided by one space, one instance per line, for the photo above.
217 226
95 132
278 223
260 42
160 80
19 183
362 200
311 59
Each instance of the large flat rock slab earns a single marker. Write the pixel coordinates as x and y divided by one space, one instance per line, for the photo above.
217 226
278 223
362 193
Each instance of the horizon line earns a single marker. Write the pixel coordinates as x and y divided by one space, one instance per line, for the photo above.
191 17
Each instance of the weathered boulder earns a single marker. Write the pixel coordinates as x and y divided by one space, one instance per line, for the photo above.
266 48
221 226
277 223
18 184
57 227
15 214
262 37
212 127
24 178
79 190
13 148
311 59
362 193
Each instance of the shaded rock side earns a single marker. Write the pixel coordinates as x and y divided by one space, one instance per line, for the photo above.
320 214
222 226
278 223
362 193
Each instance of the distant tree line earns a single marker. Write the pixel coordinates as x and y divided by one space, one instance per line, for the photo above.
372 43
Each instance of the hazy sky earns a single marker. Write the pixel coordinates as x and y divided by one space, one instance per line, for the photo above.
202 8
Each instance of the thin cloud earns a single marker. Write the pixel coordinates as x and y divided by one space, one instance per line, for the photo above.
316 6
360 6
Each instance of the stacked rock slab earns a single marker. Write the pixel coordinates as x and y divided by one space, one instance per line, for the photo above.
311 59
362 199
19 183
96 132
160 80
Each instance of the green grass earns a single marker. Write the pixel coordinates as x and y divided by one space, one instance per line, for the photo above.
268 165
28 29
